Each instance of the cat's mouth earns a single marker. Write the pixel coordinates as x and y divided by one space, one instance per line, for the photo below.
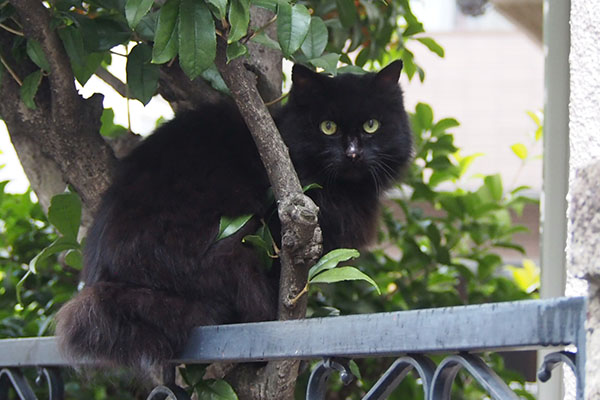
353 171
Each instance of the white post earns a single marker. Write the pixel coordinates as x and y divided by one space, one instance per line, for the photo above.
556 164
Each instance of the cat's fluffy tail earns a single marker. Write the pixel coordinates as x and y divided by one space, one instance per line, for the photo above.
119 325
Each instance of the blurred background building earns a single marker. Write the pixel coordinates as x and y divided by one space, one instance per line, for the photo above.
491 75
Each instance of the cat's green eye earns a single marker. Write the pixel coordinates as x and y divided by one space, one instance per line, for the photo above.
371 126
328 127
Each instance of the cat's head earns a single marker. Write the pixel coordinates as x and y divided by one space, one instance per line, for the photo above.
349 128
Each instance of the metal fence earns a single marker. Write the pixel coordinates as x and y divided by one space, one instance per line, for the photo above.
460 332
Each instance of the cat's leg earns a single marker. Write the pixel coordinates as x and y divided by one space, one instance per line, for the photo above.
256 298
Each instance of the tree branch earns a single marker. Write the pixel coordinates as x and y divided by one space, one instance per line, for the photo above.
181 92
301 235
36 25
118 85
73 143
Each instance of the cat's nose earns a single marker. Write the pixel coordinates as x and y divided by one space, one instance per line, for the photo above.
353 151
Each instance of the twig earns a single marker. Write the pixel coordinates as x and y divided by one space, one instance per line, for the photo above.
299 295
11 30
117 54
277 100
112 81
260 29
10 71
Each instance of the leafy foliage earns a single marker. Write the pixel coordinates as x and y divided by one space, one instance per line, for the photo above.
439 242
315 32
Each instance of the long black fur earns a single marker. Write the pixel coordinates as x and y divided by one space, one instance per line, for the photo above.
152 267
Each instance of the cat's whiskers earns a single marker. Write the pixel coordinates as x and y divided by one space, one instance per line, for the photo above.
375 178
389 171
382 175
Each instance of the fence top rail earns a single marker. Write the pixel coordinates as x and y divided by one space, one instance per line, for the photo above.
521 324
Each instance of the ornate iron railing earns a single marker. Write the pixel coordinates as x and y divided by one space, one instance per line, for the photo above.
461 332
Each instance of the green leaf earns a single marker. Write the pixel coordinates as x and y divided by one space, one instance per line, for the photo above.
316 39
351 69
354 369
267 4
413 28
520 150
213 76
443 125
73 42
35 52
347 12
539 132
363 56
197 38
229 226
192 374
108 128
166 39
408 58
494 184
425 115
331 260
215 390
220 6
265 40
439 163
293 23
65 214
512 246
527 277
31 83
83 63
74 258
58 246
239 18
146 28
344 274
135 10
142 75
258 241
235 50
328 62
108 33
84 71
465 162
432 45
442 145
20 284
535 117
263 240
311 187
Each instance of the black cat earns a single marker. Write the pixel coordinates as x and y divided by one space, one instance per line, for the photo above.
153 269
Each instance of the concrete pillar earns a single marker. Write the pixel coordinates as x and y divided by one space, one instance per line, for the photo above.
583 238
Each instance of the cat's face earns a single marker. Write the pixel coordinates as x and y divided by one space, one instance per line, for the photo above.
347 129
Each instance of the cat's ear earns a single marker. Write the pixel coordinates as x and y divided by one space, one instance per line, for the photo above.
390 74
304 78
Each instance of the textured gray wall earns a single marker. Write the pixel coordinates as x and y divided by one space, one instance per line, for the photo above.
583 243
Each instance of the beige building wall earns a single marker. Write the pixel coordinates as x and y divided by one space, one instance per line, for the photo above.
488 80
